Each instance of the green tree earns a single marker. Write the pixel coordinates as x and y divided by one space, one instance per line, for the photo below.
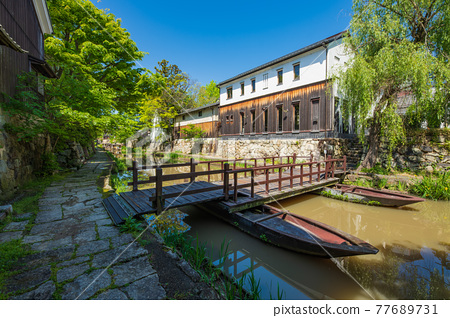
397 47
95 59
168 96
205 95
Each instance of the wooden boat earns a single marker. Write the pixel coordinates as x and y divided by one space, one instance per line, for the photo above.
373 196
293 232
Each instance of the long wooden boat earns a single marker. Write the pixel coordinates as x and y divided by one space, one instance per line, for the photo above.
373 196
293 232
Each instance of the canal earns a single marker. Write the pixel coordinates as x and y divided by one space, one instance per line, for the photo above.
413 261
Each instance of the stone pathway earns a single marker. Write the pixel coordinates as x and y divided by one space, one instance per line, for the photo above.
79 254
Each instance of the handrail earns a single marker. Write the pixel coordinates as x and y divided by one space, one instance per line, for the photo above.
158 199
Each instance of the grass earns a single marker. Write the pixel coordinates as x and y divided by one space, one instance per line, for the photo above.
435 188
10 253
346 198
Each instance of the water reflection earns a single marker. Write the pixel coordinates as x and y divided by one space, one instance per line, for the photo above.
413 262
298 276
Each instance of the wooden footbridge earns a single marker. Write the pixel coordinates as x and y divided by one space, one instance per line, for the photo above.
235 184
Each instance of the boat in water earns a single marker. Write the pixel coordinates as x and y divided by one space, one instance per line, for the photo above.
371 196
293 232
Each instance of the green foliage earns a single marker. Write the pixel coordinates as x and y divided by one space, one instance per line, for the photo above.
94 57
341 197
131 226
119 184
398 48
433 188
50 165
169 96
377 169
29 116
205 95
10 252
192 132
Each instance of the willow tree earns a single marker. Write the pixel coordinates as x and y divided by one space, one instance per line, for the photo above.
398 48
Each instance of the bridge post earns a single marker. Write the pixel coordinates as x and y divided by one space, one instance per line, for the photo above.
226 180
280 176
301 175
235 190
294 158
291 180
158 193
192 169
318 171
135 176
252 186
328 167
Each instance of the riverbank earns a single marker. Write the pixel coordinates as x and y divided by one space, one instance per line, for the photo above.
72 250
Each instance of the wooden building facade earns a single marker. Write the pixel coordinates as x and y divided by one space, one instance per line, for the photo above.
299 110
22 27
206 118
291 96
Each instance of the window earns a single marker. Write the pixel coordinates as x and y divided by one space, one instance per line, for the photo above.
227 118
296 72
242 123
231 118
253 81
253 118
184 117
265 81
296 106
229 92
266 120
200 113
280 76
242 88
280 117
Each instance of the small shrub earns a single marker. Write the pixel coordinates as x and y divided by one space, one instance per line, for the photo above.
433 188
131 225
192 132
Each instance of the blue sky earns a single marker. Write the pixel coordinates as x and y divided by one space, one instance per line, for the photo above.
216 40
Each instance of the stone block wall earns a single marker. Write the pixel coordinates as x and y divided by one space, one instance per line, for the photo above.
18 160
420 152
249 148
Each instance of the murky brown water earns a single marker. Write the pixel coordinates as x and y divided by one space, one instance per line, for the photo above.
413 262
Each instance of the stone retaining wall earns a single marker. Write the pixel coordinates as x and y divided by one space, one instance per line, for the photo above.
19 160
248 148
426 151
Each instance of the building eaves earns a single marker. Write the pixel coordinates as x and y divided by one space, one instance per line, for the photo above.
7 40
286 57
199 108
41 8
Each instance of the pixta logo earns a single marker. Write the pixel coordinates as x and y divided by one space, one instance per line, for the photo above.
142 146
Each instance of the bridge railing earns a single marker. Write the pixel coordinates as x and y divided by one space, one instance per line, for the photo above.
296 174
212 165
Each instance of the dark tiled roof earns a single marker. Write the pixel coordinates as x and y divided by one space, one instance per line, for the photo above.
286 57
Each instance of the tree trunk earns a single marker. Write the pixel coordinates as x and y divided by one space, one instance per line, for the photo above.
373 141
